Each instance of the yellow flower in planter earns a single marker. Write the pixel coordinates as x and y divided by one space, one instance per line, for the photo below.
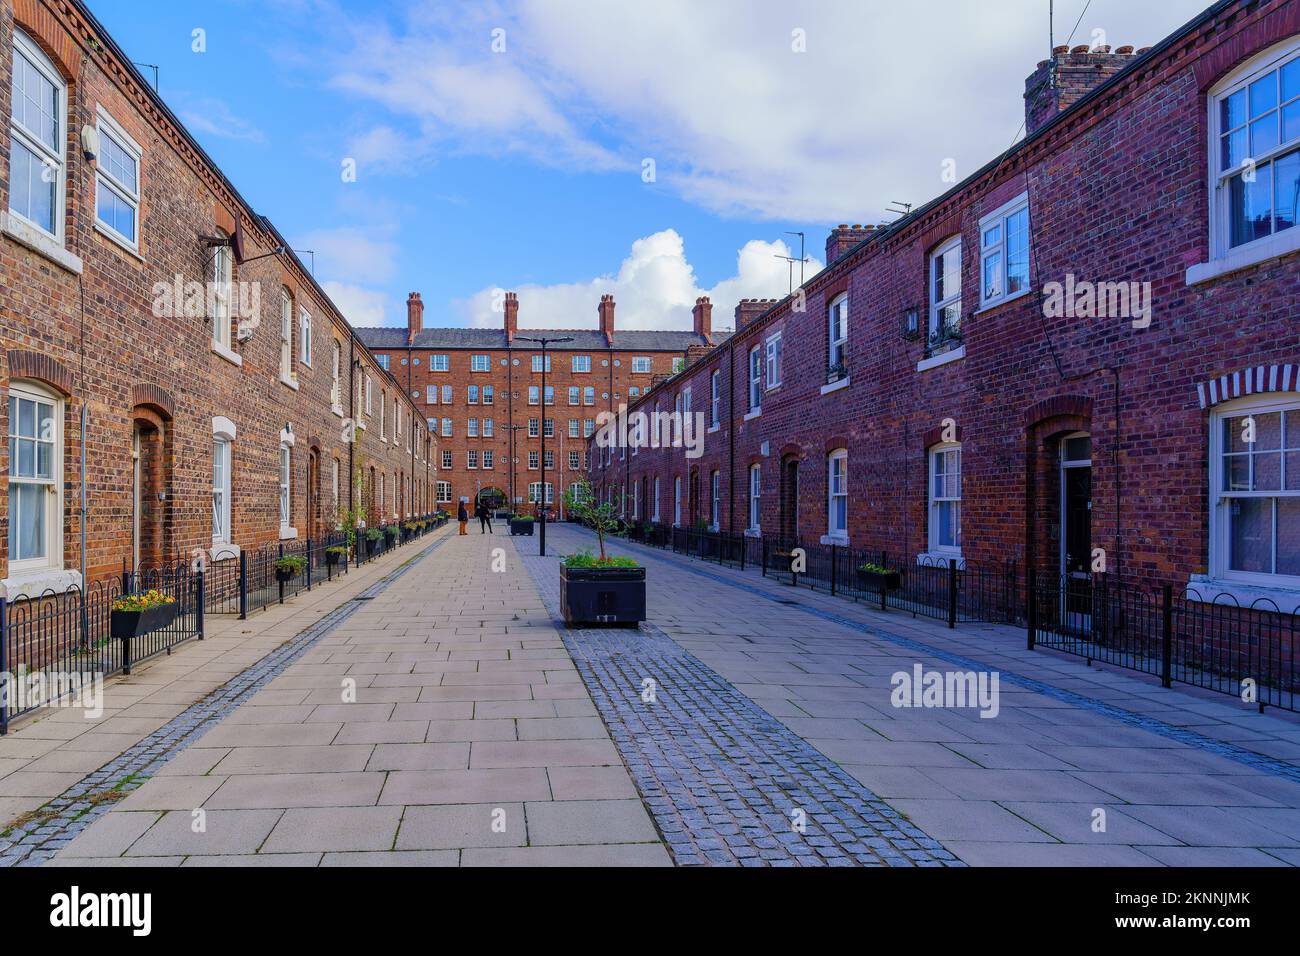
143 602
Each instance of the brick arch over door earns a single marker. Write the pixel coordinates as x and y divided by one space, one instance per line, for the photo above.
42 368
1045 424
154 396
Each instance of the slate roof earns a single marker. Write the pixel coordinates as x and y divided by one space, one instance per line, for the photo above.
584 340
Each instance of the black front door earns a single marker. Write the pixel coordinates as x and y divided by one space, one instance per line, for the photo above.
1076 519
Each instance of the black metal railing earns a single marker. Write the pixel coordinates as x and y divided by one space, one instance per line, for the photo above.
1219 645
53 643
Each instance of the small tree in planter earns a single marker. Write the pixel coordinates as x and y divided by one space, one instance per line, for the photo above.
609 589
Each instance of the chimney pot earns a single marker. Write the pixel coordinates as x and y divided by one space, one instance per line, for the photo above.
414 317
512 316
1070 75
606 312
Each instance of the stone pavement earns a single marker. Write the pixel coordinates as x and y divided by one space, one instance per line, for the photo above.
1183 777
441 723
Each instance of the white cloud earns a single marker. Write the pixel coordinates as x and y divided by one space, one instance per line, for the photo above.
360 306
362 254
207 114
655 287
735 119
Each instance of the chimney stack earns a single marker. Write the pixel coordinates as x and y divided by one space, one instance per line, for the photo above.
512 316
414 317
607 317
1070 75
747 310
703 313
843 238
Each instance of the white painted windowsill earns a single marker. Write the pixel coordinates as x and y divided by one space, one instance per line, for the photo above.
1203 588
839 540
287 533
39 243
753 532
939 558
35 583
934 361
224 550
750 416
1262 250
234 358
291 382
836 386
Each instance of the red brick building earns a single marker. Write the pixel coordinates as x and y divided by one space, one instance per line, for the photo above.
1090 343
482 392
176 380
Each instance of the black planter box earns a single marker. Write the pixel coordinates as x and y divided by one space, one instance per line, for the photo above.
876 581
284 575
134 623
602 595
332 558
374 546
522 527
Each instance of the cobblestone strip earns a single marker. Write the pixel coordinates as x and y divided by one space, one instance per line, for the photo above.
726 782
82 803
1192 738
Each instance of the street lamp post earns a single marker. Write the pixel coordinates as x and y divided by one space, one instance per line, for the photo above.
514 460
543 341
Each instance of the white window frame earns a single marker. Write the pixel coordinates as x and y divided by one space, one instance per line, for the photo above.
32 141
988 249
286 488
438 363
442 491
677 501
589 395
575 395
935 502
222 445
540 362
487 458
534 395
471 428
480 363
939 305
487 428
837 331
105 178
471 394
471 459
446 428
52 500
837 490
336 392
641 364
222 280
582 363
573 461
715 493
286 334
656 517
448 394
304 330
755 498
755 380
772 354
715 398
446 460
534 460
1221 499
487 395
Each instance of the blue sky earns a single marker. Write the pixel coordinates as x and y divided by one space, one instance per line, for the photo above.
502 145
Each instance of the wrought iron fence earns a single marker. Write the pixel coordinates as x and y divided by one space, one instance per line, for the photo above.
1219 645
54 643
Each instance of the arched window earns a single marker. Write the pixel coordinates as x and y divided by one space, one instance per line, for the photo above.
945 499
37 140
35 478
1255 156
837 495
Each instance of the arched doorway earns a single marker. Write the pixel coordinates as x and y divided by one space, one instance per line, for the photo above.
789 500
492 497
150 487
313 494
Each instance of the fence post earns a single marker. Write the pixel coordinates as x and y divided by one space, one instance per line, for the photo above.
126 578
834 561
1031 604
4 663
764 544
1009 591
1166 636
744 546
198 608
952 592
309 564
243 584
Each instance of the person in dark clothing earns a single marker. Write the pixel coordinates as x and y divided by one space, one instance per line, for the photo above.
462 515
484 518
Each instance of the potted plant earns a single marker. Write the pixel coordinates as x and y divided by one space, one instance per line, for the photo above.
135 614
604 589
390 534
289 567
521 524
877 577
374 541
335 554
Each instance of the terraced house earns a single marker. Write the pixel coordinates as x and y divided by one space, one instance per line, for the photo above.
483 393
176 380
1085 354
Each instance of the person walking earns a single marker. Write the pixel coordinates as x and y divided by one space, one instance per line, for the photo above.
462 515
484 518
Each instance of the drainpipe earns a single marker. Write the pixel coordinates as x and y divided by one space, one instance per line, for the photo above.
84 516
731 436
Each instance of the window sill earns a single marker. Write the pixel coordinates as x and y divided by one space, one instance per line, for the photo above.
934 361
39 243
753 532
117 240
940 558
836 385
1262 250
998 303
839 540
713 428
291 382
223 550
234 358
287 533
34 583
750 416
1208 590
337 411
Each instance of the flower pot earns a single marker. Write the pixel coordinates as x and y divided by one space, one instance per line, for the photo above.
285 575
603 595
878 581
332 558
522 527
134 623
